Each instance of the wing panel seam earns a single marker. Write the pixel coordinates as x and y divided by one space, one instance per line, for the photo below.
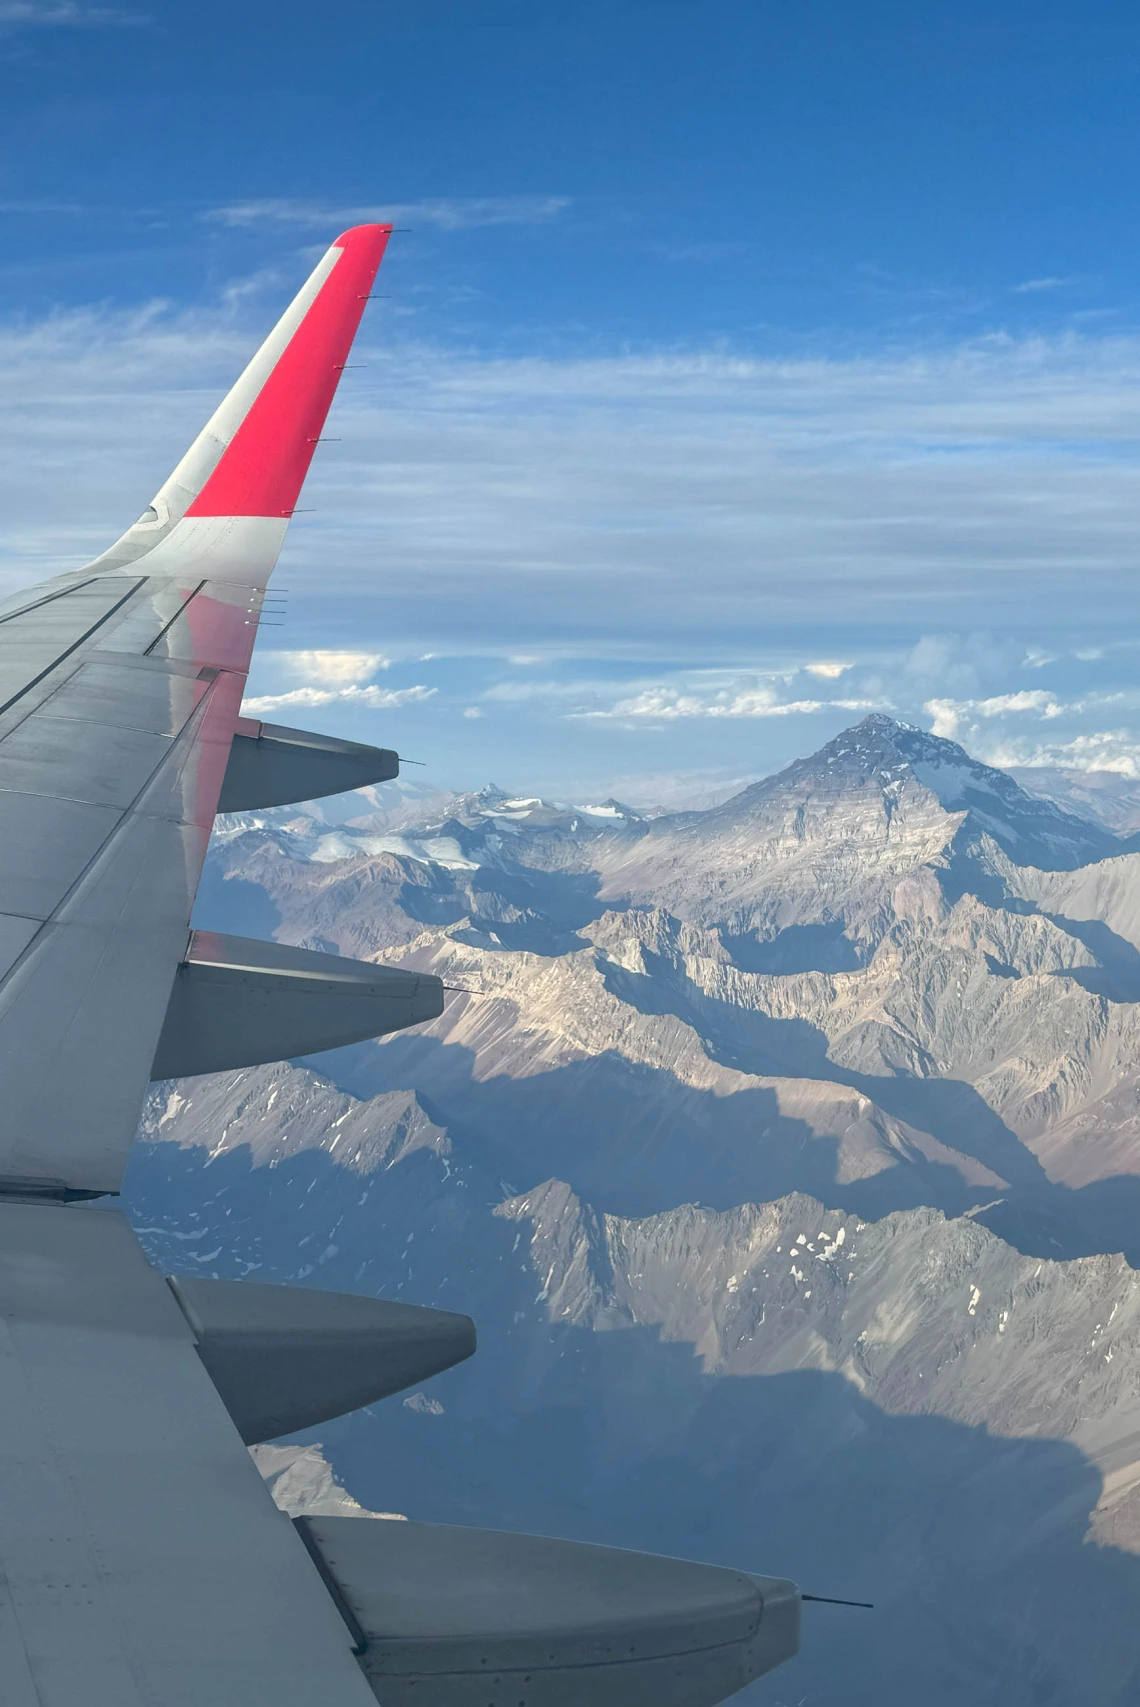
186 737
75 645
167 626
50 598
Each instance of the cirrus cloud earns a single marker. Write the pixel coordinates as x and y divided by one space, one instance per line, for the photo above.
667 704
655 509
65 15
372 697
445 213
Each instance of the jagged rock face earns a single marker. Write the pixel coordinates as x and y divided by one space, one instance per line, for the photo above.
861 947
832 835
715 1144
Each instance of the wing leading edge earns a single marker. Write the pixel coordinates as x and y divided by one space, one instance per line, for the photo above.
142 1563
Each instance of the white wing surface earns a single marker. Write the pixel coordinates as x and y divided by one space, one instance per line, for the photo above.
142 1563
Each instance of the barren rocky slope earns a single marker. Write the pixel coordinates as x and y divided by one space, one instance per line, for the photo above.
716 1144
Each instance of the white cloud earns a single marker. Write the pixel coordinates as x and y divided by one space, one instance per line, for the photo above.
374 698
654 499
454 213
333 666
667 704
1025 699
649 510
1105 750
658 704
472 711
950 715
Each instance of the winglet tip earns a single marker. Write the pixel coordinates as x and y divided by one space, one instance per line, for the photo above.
363 234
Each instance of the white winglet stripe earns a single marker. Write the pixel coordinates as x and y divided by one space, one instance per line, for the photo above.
189 477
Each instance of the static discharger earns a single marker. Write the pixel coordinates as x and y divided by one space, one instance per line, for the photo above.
826 1599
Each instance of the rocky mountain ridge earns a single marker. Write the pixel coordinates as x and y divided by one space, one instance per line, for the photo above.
902 1409
716 1140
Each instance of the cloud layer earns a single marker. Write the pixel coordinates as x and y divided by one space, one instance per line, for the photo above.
369 695
626 545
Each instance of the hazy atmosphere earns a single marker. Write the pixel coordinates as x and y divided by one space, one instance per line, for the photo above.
738 370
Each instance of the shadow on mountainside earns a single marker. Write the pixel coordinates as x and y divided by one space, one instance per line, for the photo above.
233 905
514 908
753 1042
972 1546
1038 1216
634 1140
1117 974
796 948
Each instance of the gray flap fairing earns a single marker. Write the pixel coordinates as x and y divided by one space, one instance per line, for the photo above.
481 1618
273 766
238 1002
284 1358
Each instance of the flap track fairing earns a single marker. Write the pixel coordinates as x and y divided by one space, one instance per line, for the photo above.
286 1357
270 765
481 1618
239 1002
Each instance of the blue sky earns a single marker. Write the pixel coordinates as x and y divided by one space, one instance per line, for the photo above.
745 366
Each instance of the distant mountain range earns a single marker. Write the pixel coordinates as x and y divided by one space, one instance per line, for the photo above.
784 1152
1107 797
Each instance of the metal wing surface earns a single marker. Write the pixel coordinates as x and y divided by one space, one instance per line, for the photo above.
120 695
140 1561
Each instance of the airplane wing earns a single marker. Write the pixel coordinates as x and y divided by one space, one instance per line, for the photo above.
141 1560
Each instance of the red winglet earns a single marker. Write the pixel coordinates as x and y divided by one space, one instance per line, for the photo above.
262 469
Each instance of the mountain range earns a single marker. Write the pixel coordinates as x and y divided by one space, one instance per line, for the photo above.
788 1156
